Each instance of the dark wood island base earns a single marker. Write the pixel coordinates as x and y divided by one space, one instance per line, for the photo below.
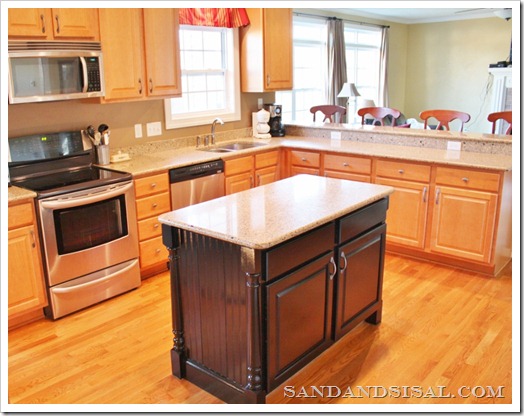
245 319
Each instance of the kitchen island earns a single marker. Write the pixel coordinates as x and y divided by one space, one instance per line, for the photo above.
265 280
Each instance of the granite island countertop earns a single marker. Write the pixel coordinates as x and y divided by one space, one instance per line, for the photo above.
265 216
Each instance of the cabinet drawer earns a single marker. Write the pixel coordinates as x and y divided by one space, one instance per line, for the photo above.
263 160
19 215
299 250
361 220
149 228
152 206
239 165
464 178
303 158
350 164
152 252
403 170
151 185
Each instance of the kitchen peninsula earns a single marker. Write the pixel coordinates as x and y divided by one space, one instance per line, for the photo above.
266 279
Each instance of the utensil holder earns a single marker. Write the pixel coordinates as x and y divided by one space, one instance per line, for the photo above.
102 154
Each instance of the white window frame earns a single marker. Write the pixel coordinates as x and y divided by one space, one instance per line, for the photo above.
232 111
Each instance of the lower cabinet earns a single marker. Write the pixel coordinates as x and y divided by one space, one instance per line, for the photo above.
26 288
247 172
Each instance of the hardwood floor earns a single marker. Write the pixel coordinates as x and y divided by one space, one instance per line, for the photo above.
440 327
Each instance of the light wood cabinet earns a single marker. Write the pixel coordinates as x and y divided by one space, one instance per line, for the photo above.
349 167
266 51
464 217
52 24
152 199
407 215
141 53
247 172
304 161
26 287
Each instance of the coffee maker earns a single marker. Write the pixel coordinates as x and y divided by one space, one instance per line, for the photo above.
276 127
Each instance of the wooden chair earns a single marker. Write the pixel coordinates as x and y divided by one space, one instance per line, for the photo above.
329 111
379 113
444 117
502 115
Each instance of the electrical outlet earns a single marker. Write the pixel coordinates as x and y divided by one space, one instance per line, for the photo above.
336 135
138 131
154 129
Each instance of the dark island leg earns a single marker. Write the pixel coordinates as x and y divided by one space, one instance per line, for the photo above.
255 378
178 352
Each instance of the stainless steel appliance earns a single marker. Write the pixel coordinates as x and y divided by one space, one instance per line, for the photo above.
276 127
196 183
51 71
86 216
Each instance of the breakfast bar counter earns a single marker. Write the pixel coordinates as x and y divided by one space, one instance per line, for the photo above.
265 280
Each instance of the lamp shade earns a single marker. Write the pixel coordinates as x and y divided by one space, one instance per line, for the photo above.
364 102
348 90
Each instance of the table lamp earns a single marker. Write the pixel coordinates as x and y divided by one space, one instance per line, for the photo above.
364 103
350 92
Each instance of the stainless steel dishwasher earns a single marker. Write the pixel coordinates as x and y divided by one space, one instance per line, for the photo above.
196 183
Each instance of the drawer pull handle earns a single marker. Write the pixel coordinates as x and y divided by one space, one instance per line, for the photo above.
43 23
304 159
465 179
155 205
156 225
57 23
343 268
157 251
401 171
150 86
33 244
153 185
332 262
345 164
140 86
424 193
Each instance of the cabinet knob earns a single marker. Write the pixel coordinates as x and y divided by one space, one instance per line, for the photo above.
401 171
156 225
465 179
345 164
304 159
153 185
157 251
155 205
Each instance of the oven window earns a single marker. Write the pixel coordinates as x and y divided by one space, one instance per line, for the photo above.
87 226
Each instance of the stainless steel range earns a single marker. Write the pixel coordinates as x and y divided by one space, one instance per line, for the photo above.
86 216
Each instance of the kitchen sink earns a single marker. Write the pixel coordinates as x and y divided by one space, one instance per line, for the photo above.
231 147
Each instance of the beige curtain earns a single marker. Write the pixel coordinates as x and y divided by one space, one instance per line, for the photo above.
337 72
383 100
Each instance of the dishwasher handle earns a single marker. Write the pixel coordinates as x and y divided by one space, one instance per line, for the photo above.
188 173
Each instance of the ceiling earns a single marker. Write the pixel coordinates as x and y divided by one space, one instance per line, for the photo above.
418 14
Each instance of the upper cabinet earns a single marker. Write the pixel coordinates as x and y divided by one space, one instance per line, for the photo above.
141 53
53 24
266 51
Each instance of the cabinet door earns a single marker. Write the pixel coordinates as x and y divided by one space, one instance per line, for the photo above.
30 23
162 52
407 214
266 175
463 223
75 23
299 312
237 183
359 282
278 49
121 37
26 285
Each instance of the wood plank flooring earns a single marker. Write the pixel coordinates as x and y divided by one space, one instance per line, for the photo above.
440 327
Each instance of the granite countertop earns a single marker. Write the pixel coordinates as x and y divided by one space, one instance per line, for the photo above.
165 159
265 216
15 194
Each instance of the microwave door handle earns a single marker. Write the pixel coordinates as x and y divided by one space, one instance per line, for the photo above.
89 198
84 73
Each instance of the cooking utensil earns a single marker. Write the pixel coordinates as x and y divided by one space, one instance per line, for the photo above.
91 131
102 128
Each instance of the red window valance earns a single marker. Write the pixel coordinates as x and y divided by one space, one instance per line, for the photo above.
214 17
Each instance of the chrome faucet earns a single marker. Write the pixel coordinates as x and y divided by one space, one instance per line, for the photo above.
219 120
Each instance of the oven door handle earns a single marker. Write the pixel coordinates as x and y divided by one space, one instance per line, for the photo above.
87 198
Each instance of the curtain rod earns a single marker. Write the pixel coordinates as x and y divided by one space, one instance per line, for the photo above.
333 17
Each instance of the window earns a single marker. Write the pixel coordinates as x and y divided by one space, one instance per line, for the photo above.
210 77
310 65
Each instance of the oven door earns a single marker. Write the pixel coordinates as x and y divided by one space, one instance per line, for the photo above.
88 230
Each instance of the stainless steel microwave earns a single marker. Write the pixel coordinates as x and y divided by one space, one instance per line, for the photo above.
53 71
